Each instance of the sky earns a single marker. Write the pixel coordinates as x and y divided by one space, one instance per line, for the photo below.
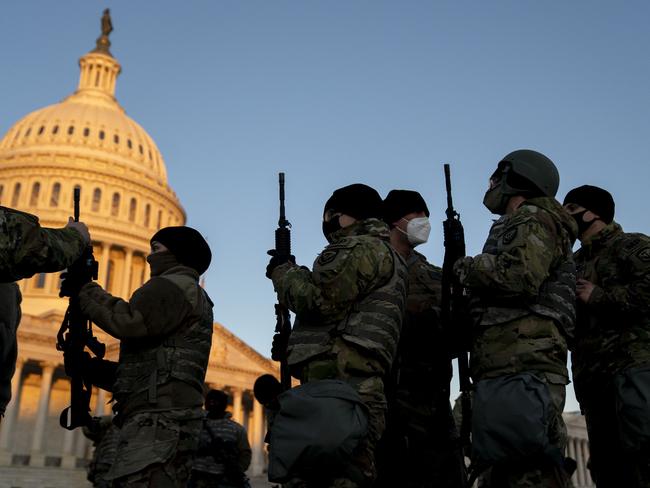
345 91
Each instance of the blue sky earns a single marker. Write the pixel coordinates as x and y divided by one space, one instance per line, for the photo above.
336 92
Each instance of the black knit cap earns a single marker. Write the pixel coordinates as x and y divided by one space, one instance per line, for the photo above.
357 200
187 244
595 199
399 203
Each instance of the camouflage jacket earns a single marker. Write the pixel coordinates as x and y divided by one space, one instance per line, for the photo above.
422 371
613 328
26 248
523 292
358 267
223 448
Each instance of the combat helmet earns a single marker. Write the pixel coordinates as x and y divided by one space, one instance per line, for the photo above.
524 167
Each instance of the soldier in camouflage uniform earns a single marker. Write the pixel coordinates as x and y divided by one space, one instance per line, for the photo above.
26 248
612 335
165 333
349 311
104 434
522 288
421 444
224 453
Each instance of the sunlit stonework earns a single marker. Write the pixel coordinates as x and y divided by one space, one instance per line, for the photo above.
88 140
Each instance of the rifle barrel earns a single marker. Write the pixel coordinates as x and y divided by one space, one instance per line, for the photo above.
283 218
77 196
450 204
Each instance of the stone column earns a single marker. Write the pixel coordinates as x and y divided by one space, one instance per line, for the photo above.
237 412
571 452
581 462
585 456
103 264
68 459
37 456
11 415
257 460
126 274
100 408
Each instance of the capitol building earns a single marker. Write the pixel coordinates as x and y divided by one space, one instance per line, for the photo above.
88 141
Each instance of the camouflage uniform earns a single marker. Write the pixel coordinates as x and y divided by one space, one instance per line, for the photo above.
421 446
165 332
523 301
349 312
104 436
224 455
612 336
26 248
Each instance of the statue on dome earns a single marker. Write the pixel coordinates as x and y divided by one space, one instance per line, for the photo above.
107 27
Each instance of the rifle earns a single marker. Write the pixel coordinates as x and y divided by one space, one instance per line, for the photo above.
452 298
75 334
283 317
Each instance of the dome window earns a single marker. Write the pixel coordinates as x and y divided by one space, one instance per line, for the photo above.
129 143
71 130
97 198
159 219
36 191
116 139
2 190
147 213
101 135
86 132
115 205
110 270
55 129
150 155
133 206
16 196
141 150
40 281
41 130
54 198
29 131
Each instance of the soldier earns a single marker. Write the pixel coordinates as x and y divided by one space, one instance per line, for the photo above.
522 288
611 357
26 248
165 332
104 434
349 311
224 453
421 444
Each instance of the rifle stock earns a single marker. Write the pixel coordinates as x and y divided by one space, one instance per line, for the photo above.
283 317
74 335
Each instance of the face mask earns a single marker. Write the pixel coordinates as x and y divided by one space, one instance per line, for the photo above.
161 262
496 201
417 230
582 225
331 226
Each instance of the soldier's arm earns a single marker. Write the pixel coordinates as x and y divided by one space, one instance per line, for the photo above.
340 275
634 295
155 309
38 249
245 452
521 265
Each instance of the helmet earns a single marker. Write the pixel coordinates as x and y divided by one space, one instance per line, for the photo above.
529 167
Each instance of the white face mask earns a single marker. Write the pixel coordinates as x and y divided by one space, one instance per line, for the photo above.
417 230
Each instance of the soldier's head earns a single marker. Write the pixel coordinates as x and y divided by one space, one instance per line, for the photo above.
172 246
524 174
266 390
407 216
216 402
591 207
348 205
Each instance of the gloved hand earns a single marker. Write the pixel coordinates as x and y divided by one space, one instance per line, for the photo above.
279 347
276 261
70 285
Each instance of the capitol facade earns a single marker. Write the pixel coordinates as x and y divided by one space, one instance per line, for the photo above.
88 141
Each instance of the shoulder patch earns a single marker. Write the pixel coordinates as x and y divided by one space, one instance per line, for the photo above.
509 236
327 256
644 254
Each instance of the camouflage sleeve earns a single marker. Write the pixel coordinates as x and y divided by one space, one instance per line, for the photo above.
29 248
634 295
342 272
521 264
245 452
155 309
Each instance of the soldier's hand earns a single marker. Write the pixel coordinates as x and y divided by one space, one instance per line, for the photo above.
79 227
584 289
70 284
279 347
276 261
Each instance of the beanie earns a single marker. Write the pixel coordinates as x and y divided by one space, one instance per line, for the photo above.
594 199
357 200
399 203
187 245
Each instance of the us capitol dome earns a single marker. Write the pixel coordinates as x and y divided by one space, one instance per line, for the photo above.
88 141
